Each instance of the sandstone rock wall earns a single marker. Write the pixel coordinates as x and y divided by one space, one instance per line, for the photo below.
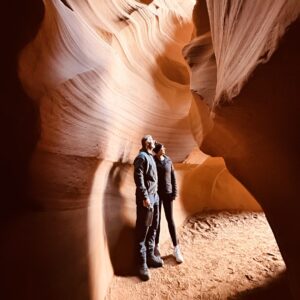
255 107
100 75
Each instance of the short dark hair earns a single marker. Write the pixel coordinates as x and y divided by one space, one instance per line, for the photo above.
145 139
157 147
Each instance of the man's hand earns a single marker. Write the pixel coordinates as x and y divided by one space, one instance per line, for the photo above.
146 202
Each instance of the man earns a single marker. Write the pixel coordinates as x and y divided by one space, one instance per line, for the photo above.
145 177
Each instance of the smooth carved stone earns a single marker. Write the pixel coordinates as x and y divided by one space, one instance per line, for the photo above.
255 104
104 73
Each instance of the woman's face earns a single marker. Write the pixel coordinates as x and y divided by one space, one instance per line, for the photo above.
162 151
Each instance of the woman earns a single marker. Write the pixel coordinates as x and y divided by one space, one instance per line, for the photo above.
167 192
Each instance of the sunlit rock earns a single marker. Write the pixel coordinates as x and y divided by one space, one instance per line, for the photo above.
100 75
254 55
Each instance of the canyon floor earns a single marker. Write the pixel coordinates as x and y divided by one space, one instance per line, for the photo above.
227 255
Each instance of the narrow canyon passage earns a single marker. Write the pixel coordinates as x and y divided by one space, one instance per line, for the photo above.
227 256
84 81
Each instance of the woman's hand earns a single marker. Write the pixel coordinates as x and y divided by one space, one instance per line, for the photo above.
146 202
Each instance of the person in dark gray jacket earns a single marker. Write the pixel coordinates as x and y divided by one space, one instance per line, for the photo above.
147 204
167 191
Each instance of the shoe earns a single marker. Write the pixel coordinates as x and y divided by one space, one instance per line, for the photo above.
143 272
154 261
156 250
178 255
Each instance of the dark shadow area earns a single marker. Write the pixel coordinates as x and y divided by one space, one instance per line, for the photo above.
264 118
60 263
123 254
169 260
44 252
276 290
19 131
66 3
63 247
145 1
19 116
121 250
200 17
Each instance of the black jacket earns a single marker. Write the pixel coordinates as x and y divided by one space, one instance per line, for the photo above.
145 175
166 177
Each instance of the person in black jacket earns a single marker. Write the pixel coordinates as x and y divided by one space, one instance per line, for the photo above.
167 191
147 204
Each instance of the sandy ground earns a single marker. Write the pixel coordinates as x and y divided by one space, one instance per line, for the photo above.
227 256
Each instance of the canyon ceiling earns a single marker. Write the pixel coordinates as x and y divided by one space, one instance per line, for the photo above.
216 81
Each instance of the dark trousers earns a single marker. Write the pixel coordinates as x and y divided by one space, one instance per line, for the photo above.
145 236
165 200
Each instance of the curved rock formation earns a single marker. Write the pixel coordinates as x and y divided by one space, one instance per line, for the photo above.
255 117
101 75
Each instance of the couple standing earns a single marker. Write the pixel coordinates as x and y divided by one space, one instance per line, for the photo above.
155 186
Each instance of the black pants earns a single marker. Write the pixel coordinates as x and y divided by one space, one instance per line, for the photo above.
165 200
145 236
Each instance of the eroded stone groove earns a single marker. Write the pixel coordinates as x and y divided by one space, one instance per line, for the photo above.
101 74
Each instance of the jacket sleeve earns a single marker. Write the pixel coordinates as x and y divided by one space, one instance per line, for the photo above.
173 181
139 173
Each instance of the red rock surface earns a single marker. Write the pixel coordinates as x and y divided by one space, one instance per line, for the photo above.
84 80
226 256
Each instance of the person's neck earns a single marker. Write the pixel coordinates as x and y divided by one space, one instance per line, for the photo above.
160 157
147 150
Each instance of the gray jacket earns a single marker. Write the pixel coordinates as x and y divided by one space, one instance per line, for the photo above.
145 175
166 177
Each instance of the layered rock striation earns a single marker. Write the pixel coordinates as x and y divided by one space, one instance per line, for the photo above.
247 50
100 75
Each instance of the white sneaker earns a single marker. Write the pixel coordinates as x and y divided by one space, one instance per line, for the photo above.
178 255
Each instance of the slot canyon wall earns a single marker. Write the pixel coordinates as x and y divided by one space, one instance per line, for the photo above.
85 80
248 53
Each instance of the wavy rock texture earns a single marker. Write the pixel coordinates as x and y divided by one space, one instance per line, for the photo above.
255 117
108 93
102 74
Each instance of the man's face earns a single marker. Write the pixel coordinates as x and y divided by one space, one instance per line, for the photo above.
150 143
